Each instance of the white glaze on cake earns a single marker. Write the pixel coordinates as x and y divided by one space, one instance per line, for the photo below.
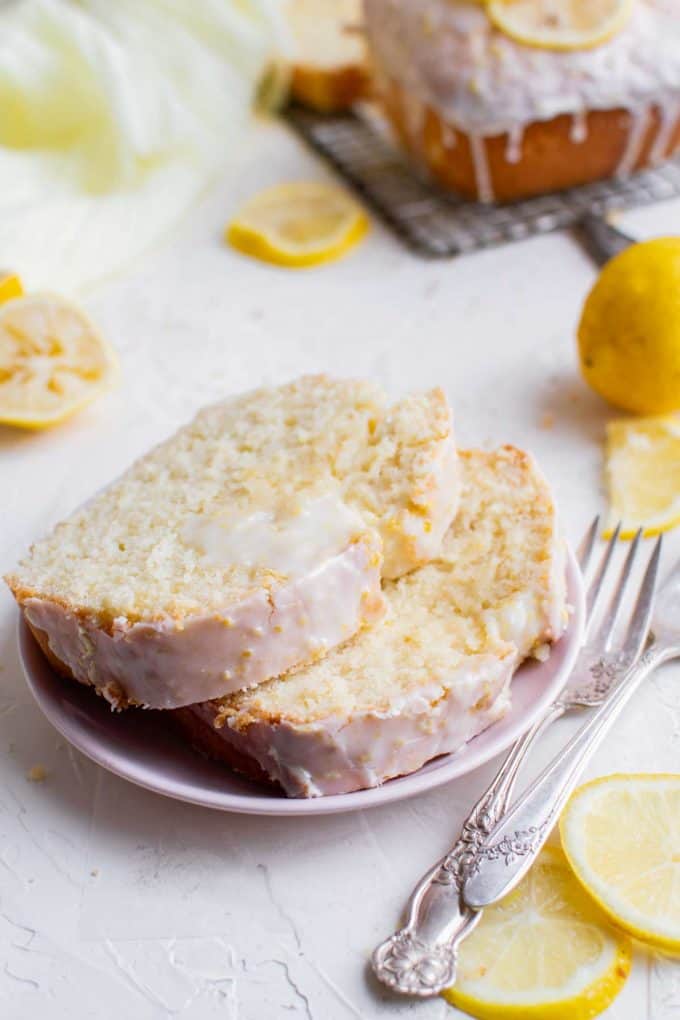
169 663
291 544
337 755
670 112
639 115
435 670
481 165
448 57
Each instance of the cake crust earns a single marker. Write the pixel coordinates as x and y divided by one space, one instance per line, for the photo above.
332 89
550 156
330 70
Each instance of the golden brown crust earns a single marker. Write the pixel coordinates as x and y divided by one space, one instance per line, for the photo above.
23 594
57 665
208 741
551 157
330 90
102 620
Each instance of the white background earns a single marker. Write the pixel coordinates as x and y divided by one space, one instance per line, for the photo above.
116 903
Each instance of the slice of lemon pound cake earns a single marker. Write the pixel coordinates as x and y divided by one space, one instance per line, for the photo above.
434 672
330 67
250 542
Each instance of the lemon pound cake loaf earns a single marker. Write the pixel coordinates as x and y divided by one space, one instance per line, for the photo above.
433 673
249 543
502 100
329 66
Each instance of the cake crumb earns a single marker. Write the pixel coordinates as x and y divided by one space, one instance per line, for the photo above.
94 872
37 774
547 421
541 652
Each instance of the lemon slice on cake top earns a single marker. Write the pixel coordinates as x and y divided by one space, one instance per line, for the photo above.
560 24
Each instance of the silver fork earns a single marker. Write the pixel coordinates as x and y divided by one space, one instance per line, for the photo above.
421 958
511 847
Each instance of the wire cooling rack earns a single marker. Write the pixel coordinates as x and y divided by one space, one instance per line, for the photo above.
438 225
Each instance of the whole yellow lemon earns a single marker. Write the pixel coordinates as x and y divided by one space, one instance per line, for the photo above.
629 334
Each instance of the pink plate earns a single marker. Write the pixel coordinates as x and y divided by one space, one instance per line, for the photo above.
137 747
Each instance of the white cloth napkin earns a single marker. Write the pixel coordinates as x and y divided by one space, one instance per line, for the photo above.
115 116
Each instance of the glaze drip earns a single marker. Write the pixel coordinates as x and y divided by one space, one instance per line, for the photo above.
669 113
639 120
481 165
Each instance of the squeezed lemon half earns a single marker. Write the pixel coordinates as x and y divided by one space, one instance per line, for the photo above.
300 224
560 24
52 361
544 952
621 835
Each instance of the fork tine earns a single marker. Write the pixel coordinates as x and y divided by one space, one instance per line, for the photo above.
606 629
642 613
596 584
585 549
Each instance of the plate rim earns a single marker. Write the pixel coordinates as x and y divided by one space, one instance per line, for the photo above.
399 788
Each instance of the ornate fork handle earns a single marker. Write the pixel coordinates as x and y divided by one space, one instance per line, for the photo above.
455 867
420 959
507 852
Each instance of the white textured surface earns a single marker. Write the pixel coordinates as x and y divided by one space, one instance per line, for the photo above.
117 903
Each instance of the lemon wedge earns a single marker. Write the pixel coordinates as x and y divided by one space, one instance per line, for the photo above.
299 224
643 474
545 951
621 835
560 24
10 287
52 361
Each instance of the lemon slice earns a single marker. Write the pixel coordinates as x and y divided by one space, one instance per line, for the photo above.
621 835
560 24
10 287
52 361
545 951
300 224
643 474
